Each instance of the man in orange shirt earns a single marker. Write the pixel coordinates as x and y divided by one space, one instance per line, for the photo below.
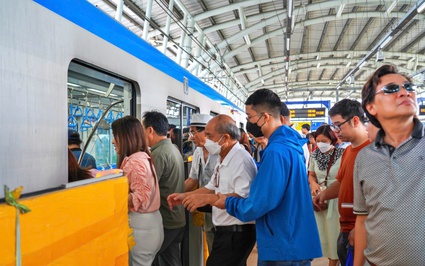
348 123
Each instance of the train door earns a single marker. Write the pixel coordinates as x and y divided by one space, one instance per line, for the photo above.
179 115
96 95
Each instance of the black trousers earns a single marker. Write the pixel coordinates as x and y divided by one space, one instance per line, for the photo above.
231 248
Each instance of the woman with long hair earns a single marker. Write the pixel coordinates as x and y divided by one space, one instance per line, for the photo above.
75 172
324 165
135 160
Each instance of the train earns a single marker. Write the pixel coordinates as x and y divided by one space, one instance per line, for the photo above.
66 65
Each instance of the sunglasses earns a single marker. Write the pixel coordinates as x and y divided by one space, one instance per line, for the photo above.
393 88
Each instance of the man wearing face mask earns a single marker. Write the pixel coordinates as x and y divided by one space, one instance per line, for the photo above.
279 199
233 174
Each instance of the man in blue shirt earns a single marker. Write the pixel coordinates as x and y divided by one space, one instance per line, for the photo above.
74 143
279 199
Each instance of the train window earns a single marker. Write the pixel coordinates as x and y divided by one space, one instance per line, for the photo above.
96 98
179 115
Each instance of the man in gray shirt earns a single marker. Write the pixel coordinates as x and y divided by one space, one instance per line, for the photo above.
170 172
389 175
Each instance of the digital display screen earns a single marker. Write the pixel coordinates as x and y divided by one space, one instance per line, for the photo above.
308 113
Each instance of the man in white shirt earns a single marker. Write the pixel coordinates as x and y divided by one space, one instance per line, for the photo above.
233 175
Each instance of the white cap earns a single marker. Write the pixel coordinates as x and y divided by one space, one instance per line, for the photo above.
200 120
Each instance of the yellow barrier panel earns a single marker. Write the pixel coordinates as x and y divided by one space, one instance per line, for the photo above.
86 225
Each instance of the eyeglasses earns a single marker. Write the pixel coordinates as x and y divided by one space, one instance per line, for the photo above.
366 120
338 127
393 88
217 176
250 117
192 133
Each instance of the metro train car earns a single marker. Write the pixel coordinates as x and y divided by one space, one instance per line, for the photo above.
64 65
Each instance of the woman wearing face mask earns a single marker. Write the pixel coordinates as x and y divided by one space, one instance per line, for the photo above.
324 165
135 160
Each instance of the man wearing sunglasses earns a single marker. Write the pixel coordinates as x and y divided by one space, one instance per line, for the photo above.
348 124
389 176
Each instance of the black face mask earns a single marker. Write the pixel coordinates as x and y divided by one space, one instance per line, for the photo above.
254 129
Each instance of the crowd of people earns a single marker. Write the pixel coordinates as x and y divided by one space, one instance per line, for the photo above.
350 189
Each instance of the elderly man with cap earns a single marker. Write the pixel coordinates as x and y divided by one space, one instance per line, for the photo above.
74 144
202 165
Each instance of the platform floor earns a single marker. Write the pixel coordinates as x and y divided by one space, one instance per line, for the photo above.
252 259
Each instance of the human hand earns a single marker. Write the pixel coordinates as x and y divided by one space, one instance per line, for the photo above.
319 199
314 188
175 199
221 202
194 201
351 237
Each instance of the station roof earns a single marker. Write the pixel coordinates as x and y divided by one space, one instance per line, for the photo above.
301 49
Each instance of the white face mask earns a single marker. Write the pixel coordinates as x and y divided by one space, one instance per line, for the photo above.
213 147
324 147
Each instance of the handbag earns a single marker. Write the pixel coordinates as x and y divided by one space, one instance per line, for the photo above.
324 205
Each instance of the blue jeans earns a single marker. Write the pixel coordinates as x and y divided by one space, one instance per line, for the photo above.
284 263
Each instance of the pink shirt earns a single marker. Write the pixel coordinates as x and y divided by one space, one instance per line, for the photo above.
144 187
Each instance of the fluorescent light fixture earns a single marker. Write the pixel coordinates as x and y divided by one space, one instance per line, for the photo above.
287 43
247 40
391 7
421 7
317 57
286 78
287 65
362 64
340 9
73 84
98 91
318 65
289 8
348 64
387 40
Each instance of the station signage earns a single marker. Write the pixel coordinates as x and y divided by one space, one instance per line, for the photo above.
421 110
307 113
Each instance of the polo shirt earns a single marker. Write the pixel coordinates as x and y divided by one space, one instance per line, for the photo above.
233 175
389 187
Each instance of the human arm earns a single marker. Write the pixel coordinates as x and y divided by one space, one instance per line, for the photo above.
312 180
267 191
190 184
329 193
360 240
177 198
141 183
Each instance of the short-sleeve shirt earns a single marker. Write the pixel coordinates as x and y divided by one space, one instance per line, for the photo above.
389 187
199 166
233 175
347 218
88 159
